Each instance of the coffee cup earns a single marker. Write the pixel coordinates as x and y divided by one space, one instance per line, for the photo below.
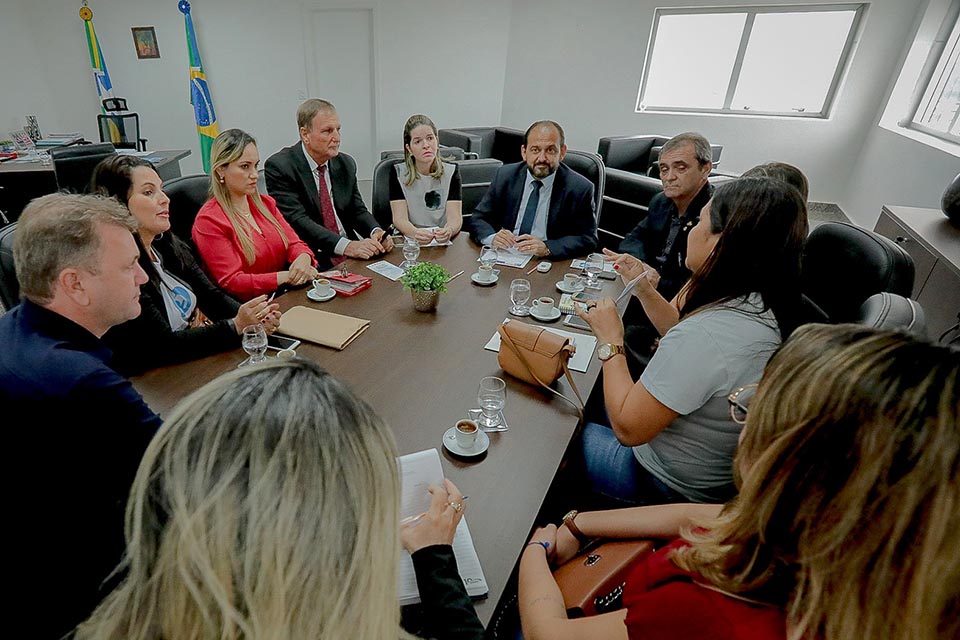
321 287
467 432
484 273
572 280
543 306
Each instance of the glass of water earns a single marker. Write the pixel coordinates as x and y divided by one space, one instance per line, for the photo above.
492 396
254 343
411 251
488 256
593 267
519 295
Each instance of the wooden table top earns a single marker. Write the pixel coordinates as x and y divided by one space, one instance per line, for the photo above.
420 371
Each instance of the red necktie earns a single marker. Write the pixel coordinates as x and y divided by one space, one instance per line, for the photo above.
326 210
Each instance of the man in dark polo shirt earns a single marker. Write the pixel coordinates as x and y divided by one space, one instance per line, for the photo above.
80 428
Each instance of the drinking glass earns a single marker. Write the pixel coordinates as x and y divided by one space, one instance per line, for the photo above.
492 396
488 256
519 295
254 343
593 267
411 251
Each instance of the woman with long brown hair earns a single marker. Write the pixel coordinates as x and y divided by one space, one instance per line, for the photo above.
846 525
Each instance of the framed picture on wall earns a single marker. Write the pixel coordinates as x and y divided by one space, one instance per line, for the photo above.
145 41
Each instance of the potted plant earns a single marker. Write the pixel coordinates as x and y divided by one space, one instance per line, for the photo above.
426 282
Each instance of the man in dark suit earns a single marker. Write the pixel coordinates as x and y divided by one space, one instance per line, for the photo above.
538 206
333 219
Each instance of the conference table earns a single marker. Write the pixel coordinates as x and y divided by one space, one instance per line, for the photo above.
420 372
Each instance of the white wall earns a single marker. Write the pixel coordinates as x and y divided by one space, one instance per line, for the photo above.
443 58
580 63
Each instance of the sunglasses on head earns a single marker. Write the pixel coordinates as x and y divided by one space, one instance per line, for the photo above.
739 401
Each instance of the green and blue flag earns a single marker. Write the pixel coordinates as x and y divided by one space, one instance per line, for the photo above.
200 98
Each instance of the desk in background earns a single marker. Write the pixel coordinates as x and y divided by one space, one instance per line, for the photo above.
420 372
21 182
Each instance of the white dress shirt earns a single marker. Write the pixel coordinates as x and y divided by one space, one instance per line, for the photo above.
539 229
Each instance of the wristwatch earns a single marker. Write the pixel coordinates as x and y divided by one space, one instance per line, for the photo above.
572 527
607 351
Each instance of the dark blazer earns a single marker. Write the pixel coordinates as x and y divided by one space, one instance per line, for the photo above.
571 224
147 341
290 182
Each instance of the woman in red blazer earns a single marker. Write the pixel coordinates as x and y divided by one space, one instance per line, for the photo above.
246 245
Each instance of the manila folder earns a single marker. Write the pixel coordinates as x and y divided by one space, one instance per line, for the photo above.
322 327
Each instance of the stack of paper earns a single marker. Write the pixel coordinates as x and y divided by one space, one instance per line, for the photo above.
329 329
419 471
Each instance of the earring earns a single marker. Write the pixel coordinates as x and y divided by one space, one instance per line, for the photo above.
221 179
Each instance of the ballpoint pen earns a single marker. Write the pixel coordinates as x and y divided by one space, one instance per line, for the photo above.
459 273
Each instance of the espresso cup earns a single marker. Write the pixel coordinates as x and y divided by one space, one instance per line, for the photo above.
572 280
543 306
321 286
484 273
467 432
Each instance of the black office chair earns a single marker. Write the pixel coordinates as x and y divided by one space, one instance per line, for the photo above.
187 194
9 286
446 153
73 166
380 195
590 166
887 310
843 265
475 178
119 128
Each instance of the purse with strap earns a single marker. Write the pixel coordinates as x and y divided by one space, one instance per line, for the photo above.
537 356
592 583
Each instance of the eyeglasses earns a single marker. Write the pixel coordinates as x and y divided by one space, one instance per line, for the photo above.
739 401
432 199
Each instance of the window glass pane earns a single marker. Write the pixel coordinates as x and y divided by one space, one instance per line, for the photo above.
693 56
941 101
790 61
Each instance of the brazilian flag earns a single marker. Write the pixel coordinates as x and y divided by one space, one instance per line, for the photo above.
203 111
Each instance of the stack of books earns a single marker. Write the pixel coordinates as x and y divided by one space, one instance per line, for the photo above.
348 285
59 140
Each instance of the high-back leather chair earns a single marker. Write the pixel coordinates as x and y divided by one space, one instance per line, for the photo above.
475 178
380 194
590 166
187 194
843 265
9 286
502 143
887 310
446 153
639 154
73 166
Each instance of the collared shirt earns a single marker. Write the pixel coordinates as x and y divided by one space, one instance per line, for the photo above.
315 172
539 229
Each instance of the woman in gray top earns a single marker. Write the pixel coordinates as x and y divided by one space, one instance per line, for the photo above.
424 190
672 436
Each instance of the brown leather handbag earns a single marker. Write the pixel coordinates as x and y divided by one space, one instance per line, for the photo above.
537 356
593 582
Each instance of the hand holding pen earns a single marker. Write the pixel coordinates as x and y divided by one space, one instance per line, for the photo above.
438 524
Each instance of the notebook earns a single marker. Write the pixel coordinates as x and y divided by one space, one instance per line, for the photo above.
322 327
348 284
418 471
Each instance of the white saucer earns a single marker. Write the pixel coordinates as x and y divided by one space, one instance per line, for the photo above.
562 287
496 276
451 444
548 318
312 294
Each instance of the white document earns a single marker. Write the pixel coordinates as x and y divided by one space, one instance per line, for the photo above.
584 344
418 471
386 269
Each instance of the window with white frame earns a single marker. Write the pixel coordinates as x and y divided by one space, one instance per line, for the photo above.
784 61
938 110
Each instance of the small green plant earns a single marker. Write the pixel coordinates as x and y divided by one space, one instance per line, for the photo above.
426 276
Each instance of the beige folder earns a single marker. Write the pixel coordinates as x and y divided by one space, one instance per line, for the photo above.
322 327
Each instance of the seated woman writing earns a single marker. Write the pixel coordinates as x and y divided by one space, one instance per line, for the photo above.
672 439
424 190
183 315
846 524
268 506
244 241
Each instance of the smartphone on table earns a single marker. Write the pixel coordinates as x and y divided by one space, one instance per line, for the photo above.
278 342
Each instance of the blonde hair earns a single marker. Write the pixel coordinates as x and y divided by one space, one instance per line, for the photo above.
849 509
227 148
267 506
436 169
